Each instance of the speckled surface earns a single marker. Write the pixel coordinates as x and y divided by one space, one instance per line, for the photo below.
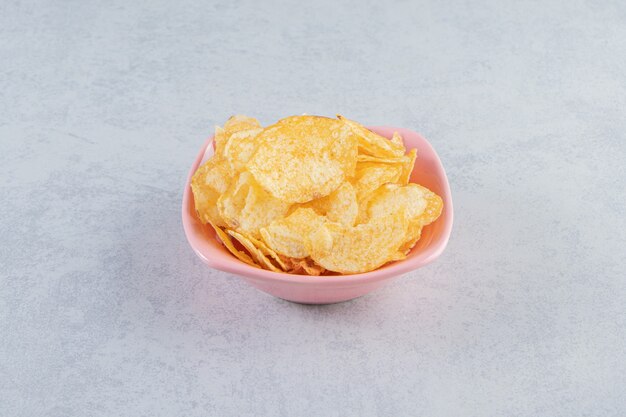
105 310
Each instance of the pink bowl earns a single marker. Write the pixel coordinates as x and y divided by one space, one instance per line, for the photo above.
428 171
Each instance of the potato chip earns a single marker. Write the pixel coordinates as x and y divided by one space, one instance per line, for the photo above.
340 206
372 143
420 205
299 162
291 264
240 147
391 198
234 124
407 162
312 195
371 175
360 248
257 255
303 266
413 236
397 139
300 119
219 140
387 160
209 181
205 202
363 204
246 206
309 267
225 238
407 166
267 251
288 236
240 122
433 208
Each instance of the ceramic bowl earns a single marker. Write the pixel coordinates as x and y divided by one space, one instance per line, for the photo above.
428 172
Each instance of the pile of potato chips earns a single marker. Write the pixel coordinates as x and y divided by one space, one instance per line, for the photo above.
312 195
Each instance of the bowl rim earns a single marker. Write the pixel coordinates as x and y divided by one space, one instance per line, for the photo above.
428 254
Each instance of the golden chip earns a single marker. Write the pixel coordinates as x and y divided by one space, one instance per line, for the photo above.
391 198
312 195
372 143
360 248
420 206
246 206
234 124
305 266
240 147
413 236
299 162
209 181
267 251
371 175
257 255
311 268
363 203
386 160
242 256
308 266
340 206
408 163
206 205
288 236
240 122
397 139
220 138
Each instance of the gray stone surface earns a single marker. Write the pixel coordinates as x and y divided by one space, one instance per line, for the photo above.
105 310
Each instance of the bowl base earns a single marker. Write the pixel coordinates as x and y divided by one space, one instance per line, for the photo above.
316 294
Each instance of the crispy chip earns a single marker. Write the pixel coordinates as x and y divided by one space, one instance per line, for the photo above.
240 147
309 267
414 234
371 175
339 206
290 264
246 206
363 203
360 248
312 195
407 162
386 160
288 236
391 198
234 124
407 166
372 143
397 139
303 266
209 181
267 251
219 139
206 205
242 256
257 255
420 205
240 122
299 162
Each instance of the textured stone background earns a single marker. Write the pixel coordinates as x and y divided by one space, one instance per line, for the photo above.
105 310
